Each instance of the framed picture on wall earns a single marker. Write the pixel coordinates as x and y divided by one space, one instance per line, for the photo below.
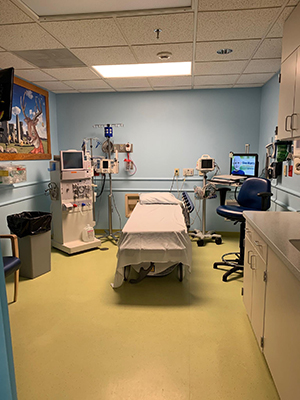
27 135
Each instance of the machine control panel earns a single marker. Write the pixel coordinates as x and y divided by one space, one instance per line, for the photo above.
76 195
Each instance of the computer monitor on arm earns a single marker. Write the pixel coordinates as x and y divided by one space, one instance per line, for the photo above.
244 164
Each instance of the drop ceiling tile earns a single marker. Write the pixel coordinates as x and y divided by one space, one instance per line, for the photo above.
171 81
65 74
254 78
277 30
172 88
86 33
270 48
263 66
11 14
242 50
205 5
8 60
34 75
148 53
87 84
96 90
230 25
215 79
26 37
249 85
175 28
147 89
55 85
105 56
128 83
213 87
219 68
65 91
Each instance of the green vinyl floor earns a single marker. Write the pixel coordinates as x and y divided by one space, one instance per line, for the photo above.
76 338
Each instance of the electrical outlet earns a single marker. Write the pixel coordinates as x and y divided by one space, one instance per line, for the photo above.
188 171
176 172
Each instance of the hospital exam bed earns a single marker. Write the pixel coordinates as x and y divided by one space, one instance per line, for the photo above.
155 239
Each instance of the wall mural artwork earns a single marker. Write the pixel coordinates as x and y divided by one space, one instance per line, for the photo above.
27 135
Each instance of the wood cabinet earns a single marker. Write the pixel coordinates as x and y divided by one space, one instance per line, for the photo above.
289 95
272 300
282 328
254 285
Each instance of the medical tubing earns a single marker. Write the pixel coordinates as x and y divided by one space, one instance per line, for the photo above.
114 202
197 215
102 187
135 169
182 186
172 183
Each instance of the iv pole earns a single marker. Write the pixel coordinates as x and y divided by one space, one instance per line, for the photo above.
210 235
108 133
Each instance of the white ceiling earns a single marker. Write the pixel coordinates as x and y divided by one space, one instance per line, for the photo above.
33 44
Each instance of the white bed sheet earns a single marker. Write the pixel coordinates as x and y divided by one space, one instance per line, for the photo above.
154 233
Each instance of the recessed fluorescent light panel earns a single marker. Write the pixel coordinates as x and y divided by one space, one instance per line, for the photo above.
58 7
144 70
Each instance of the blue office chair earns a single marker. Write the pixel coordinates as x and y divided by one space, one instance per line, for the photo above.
12 263
254 195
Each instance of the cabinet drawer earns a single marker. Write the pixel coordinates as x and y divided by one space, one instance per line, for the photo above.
291 33
258 243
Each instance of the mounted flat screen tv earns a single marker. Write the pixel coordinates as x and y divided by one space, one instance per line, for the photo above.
6 93
244 164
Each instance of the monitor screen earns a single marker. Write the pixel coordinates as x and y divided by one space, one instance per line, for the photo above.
244 164
205 164
6 92
71 160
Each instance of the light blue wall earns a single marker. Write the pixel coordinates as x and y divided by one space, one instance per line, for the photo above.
29 195
286 190
7 374
170 129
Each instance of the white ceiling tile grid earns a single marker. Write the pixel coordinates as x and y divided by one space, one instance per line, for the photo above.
57 51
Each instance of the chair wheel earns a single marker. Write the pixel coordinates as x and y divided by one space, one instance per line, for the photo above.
200 242
219 241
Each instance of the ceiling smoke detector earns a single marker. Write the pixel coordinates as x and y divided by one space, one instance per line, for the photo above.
164 55
224 51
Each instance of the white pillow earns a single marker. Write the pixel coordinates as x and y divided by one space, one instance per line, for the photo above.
158 198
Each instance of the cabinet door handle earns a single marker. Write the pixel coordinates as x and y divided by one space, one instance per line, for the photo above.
252 266
249 252
293 128
286 123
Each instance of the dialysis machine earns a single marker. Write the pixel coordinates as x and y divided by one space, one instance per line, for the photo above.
72 196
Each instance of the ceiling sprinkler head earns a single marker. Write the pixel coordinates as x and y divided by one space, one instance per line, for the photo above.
224 51
164 55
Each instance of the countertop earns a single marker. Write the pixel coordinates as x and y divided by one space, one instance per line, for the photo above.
277 228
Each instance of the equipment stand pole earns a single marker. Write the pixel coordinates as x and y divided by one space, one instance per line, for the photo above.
93 182
204 206
110 206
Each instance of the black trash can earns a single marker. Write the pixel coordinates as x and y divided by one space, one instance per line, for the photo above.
33 229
